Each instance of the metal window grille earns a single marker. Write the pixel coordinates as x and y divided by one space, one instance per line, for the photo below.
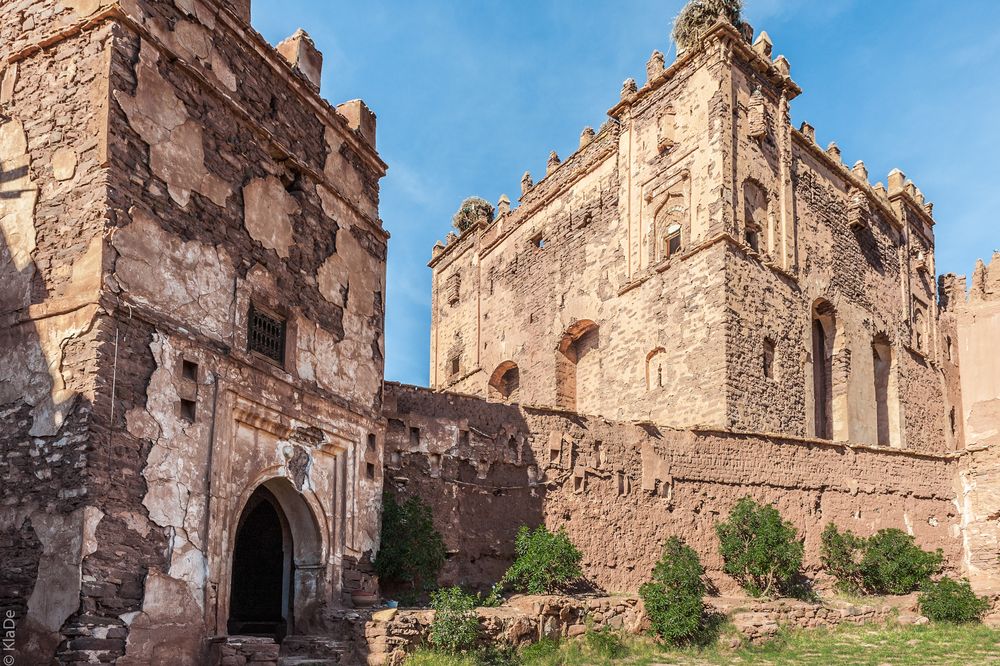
266 335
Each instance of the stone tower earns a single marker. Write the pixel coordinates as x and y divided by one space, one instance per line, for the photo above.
700 262
192 277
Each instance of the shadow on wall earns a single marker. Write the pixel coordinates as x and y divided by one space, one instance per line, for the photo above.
473 464
46 530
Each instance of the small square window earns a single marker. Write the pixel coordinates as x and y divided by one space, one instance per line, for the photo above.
189 370
414 437
266 335
370 470
454 365
538 240
188 410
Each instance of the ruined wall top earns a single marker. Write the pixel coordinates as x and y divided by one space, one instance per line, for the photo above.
955 292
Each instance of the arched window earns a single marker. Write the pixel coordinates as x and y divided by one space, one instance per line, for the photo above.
579 344
666 232
824 331
654 368
887 427
505 381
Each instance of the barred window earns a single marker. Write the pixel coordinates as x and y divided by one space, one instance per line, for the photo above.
266 335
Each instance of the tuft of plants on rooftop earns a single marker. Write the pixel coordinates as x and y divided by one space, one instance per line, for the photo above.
698 16
471 211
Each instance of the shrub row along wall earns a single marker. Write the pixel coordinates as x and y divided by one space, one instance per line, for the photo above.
621 490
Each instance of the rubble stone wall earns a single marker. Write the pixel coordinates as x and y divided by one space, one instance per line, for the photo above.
390 635
622 489
772 229
53 110
148 203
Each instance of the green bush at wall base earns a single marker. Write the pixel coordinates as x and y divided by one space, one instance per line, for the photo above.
412 551
545 562
760 550
888 562
673 599
948 600
455 628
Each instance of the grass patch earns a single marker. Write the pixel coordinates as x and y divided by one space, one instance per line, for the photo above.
866 645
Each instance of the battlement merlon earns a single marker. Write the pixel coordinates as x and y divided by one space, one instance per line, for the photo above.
777 72
296 57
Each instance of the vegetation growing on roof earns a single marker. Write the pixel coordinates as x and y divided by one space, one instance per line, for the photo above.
699 15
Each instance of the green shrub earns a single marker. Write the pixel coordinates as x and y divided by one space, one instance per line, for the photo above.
760 550
841 553
894 564
673 599
455 628
607 642
545 561
412 551
888 562
952 601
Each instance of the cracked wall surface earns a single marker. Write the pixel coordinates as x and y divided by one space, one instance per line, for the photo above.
148 203
693 233
622 489
970 329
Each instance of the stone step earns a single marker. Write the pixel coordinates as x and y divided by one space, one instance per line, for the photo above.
315 651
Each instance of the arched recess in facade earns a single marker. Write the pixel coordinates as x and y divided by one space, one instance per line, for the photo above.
581 340
303 560
505 381
830 372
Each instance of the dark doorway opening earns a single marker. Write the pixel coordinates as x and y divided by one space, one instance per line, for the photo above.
262 570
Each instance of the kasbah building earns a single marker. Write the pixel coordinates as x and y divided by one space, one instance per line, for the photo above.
700 303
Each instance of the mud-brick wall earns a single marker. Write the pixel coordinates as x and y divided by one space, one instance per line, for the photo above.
52 337
621 489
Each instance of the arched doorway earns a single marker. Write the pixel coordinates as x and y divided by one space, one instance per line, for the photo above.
262 576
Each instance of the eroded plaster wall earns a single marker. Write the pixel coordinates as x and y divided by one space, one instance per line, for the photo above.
149 203
770 227
584 254
622 489
971 328
53 110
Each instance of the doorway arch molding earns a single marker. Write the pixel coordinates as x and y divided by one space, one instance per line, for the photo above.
311 544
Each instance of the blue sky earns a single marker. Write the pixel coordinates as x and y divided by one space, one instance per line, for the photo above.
471 93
